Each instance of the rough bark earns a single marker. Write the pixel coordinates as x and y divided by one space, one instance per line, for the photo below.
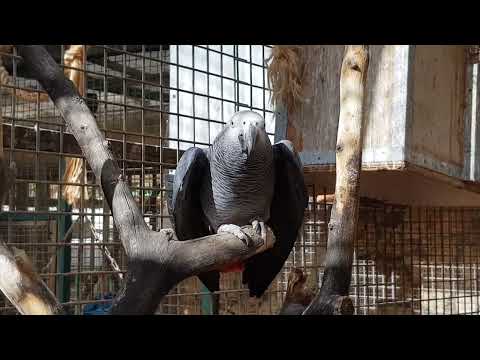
333 295
157 261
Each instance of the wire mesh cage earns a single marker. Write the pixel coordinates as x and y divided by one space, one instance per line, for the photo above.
407 260
415 260
154 101
474 54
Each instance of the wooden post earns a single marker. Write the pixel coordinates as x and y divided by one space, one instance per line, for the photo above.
333 295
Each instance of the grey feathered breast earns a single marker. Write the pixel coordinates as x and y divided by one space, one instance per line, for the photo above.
238 188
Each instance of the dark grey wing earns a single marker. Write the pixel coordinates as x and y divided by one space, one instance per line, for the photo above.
184 203
290 199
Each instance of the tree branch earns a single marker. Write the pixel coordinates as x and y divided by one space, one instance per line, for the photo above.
152 277
214 251
156 260
22 285
333 295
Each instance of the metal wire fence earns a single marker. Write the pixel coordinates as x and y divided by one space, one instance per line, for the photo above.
154 101
407 260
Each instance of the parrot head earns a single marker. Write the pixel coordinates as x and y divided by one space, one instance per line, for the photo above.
248 128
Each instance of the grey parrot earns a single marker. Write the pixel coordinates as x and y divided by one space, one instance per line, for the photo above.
241 179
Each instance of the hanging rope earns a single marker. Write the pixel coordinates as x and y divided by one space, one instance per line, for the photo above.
285 75
73 172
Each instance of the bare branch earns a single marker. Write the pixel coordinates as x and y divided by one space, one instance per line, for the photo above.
333 295
23 287
152 277
215 251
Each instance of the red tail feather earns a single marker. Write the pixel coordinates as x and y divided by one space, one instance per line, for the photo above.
235 267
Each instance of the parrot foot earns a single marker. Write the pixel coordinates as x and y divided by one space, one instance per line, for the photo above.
168 233
261 229
237 231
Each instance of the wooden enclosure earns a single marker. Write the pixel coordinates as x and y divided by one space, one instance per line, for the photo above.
418 130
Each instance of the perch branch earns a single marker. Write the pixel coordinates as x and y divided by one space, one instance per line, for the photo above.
157 261
333 295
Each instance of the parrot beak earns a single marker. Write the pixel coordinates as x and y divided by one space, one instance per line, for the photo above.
248 139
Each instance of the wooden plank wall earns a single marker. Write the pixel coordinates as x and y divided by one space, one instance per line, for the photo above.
437 130
313 128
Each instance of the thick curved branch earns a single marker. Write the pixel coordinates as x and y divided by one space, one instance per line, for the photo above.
156 261
208 253
151 278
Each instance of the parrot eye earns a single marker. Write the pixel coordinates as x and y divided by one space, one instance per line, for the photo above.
244 123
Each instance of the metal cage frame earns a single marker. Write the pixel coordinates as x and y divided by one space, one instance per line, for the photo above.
154 101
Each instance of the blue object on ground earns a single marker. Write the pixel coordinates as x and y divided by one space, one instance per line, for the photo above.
99 308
